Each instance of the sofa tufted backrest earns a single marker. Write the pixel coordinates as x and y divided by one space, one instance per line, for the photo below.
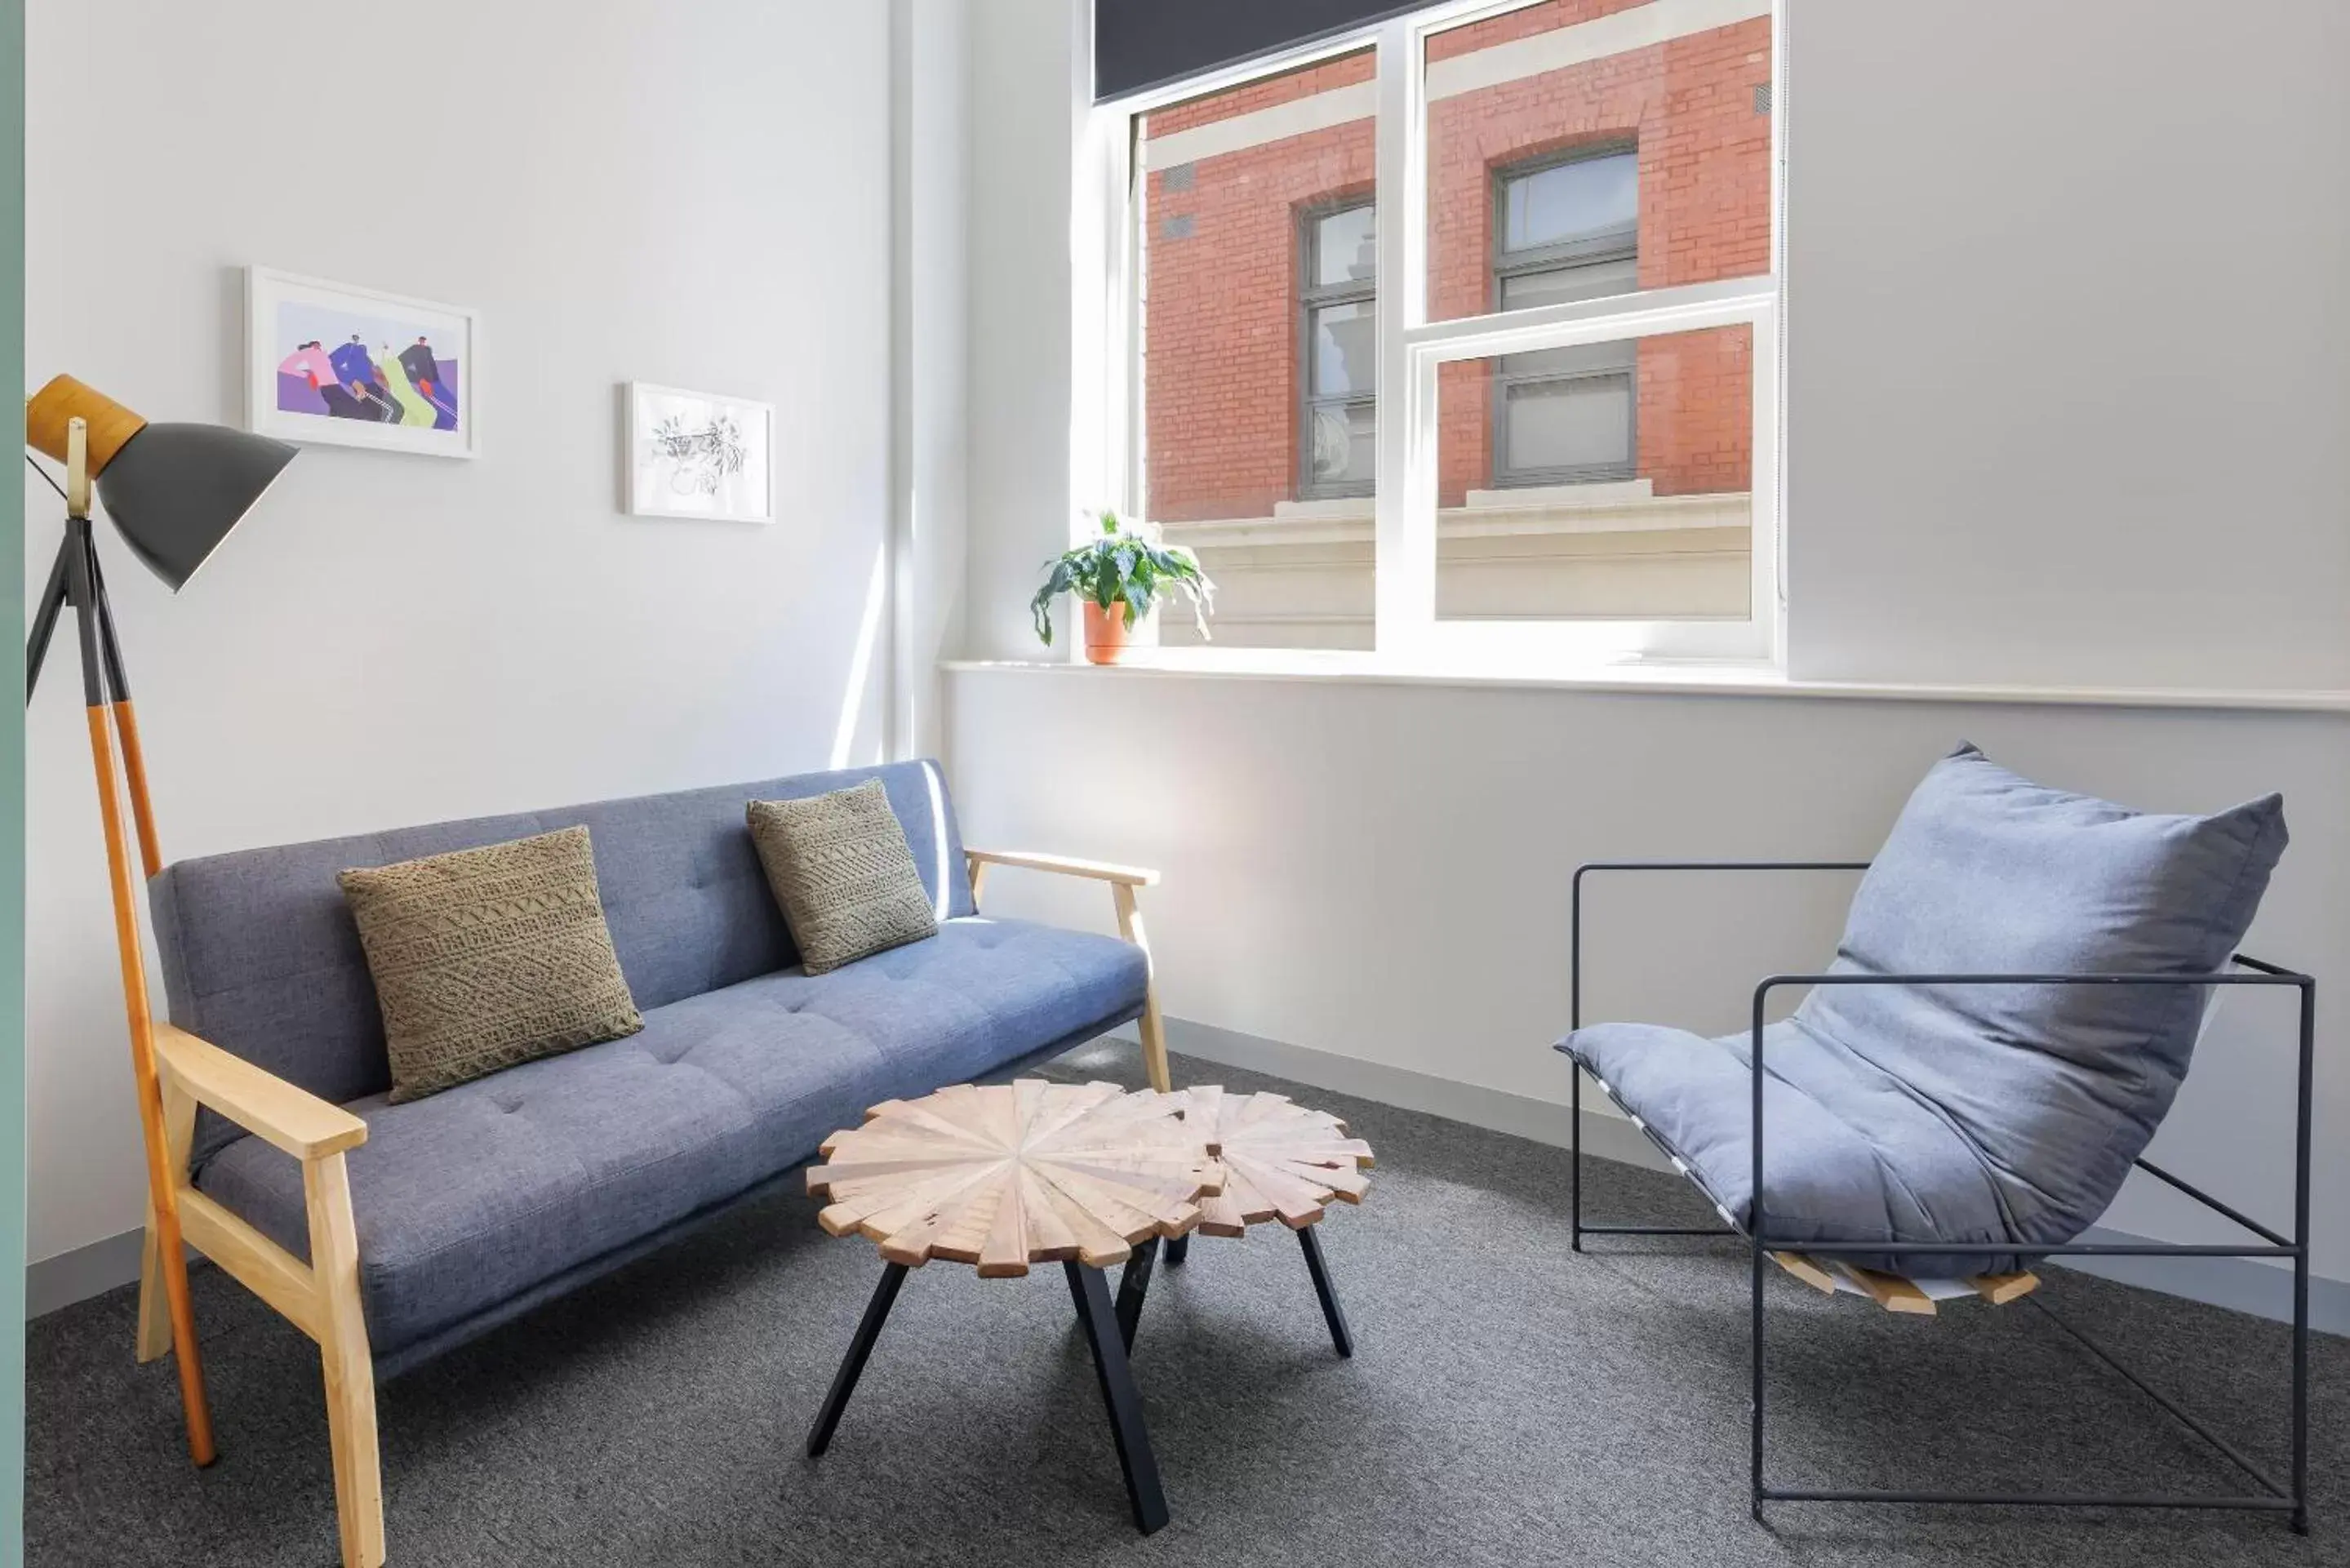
260 955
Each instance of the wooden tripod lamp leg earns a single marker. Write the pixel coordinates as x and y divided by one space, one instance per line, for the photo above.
179 1110
154 1305
162 1181
134 768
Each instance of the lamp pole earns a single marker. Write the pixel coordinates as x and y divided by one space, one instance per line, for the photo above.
74 582
173 491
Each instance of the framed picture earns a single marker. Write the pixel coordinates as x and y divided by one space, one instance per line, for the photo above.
357 367
695 454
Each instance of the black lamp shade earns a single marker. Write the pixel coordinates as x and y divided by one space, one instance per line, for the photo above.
175 490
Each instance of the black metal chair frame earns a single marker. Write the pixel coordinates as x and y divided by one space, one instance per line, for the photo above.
2291 1500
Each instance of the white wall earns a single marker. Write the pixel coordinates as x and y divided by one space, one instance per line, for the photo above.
1027 57
2042 428
694 194
2068 322
929 355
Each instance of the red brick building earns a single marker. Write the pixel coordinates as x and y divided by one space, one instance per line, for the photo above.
1230 332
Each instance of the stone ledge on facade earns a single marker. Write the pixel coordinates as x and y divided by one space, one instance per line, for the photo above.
1306 577
1627 507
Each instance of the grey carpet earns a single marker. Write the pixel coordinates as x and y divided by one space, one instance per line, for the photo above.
1510 1404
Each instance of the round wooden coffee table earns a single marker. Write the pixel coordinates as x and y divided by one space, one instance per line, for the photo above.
1088 1176
1011 1175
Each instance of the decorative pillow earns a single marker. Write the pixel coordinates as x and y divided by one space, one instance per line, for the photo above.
486 958
841 869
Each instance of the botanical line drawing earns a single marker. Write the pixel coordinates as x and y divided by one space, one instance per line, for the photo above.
701 458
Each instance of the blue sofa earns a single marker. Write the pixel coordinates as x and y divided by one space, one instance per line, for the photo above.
470 1206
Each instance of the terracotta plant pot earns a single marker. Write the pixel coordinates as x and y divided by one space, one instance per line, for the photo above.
1106 633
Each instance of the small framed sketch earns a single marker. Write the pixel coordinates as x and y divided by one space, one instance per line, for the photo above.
695 454
357 367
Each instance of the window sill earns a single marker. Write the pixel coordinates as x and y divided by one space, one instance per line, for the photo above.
1697 679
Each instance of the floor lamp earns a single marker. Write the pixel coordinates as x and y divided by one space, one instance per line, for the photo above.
174 490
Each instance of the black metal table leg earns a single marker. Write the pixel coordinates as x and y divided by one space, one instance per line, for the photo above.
1133 1285
1177 1250
1340 1334
1091 1290
844 1381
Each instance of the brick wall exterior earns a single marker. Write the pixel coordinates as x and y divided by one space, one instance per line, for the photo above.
1222 328
1348 70
1222 335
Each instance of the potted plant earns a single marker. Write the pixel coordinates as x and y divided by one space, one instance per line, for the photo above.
1117 578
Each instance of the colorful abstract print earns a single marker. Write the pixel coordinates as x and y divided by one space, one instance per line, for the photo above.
379 383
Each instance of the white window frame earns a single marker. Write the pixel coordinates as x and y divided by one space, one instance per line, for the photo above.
1107 413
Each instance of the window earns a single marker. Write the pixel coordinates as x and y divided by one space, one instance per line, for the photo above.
1254 323
1501 385
1340 376
1568 229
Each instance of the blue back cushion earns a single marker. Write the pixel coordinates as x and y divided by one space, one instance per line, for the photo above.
260 956
2057 1088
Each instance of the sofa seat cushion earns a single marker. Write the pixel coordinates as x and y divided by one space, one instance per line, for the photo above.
472 1196
1848 1154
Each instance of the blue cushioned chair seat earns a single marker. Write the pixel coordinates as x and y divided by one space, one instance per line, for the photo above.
471 1196
1848 1154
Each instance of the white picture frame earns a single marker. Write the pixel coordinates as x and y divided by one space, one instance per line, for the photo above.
306 338
697 454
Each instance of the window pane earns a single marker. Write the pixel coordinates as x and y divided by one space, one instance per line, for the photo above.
1511 99
1577 201
1346 247
1257 335
1559 286
1606 481
1344 444
1344 347
1583 358
1568 422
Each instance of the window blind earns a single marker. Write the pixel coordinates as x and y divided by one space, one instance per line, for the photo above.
1141 44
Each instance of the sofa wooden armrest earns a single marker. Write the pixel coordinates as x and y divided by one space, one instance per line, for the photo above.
265 1104
319 1296
1065 865
1123 880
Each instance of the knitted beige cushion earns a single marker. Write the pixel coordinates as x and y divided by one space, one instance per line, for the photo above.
839 866
486 958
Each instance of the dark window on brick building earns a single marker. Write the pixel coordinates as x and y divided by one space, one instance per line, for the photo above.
1337 444
1567 229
